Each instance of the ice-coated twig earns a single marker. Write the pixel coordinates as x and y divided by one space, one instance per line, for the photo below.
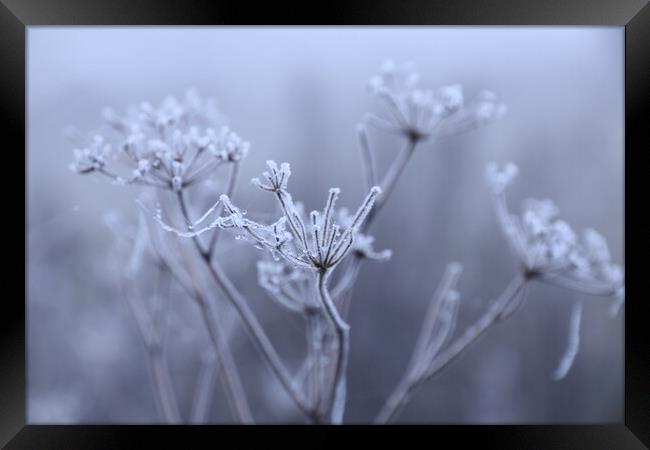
573 344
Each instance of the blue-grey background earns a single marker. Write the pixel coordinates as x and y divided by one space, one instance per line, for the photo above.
296 95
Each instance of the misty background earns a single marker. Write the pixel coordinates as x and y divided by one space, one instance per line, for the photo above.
296 95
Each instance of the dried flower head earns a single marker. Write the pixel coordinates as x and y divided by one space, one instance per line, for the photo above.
171 146
548 249
424 113
317 243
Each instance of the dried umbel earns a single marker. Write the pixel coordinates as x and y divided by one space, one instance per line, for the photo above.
319 243
171 147
547 248
424 113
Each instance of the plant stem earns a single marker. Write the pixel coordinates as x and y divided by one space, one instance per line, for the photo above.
402 393
389 181
449 280
163 389
253 326
231 380
258 335
336 405
314 343
204 390
388 186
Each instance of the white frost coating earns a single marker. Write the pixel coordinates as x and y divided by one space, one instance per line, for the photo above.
573 344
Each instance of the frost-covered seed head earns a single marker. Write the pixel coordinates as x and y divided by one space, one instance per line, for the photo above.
548 248
423 113
228 145
155 140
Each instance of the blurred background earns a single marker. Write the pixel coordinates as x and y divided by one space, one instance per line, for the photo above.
296 94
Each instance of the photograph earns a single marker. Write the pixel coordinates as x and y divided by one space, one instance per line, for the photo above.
325 225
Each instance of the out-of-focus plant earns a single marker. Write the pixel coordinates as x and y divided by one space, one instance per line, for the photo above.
546 250
310 263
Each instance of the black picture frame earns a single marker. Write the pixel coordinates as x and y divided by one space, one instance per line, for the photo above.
634 15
